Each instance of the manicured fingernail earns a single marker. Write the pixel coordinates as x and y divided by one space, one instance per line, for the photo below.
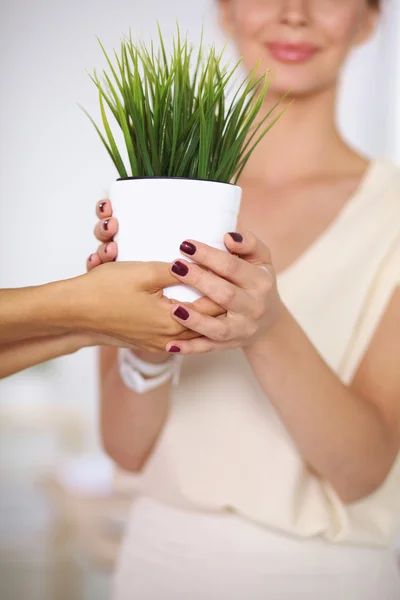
237 237
105 248
180 269
182 313
90 258
174 349
188 248
101 207
105 225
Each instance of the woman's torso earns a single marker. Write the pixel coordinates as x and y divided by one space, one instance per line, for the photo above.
223 445
176 553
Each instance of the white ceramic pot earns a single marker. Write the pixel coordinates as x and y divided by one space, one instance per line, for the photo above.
156 215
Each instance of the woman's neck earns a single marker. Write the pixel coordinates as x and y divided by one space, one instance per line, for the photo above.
304 143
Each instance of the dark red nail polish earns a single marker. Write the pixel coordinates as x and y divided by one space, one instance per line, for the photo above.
101 207
237 237
182 313
180 269
188 248
105 248
174 349
105 225
90 258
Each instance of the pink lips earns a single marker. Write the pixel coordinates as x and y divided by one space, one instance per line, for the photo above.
292 53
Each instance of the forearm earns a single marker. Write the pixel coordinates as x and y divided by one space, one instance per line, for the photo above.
38 311
17 356
130 423
341 436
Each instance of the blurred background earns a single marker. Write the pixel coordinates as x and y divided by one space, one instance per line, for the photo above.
60 523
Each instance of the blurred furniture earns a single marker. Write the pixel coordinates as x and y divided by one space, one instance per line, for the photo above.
89 523
34 435
90 516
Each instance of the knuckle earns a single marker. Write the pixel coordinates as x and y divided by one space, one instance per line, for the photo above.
259 308
197 276
223 333
231 266
206 349
204 254
226 295
265 282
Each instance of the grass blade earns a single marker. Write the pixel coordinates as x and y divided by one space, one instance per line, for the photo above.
176 120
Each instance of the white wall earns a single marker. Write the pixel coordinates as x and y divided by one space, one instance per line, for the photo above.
52 167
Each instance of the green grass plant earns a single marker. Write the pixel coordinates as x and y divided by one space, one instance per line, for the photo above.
174 113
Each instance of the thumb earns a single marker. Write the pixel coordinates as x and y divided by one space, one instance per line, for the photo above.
205 306
155 276
249 247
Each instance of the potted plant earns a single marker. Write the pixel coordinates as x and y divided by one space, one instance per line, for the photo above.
184 145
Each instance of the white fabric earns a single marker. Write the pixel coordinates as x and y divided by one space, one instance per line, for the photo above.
141 376
224 447
176 554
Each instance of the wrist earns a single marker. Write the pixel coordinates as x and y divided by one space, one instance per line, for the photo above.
77 341
265 344
71 307
82 339
44 309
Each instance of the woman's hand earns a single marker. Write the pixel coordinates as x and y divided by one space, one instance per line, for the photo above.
141 284
242 282
105 230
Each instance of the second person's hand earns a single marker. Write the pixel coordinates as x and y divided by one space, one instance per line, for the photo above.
105 230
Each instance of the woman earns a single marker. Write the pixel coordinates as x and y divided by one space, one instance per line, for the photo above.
117 305
271 470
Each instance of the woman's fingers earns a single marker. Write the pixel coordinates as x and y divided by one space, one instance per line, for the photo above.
227 266
93 261
250 247
205 306
199 345
104 209
220 291
107 252
106 229
217 329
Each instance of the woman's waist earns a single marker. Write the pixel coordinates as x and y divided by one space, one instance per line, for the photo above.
200 533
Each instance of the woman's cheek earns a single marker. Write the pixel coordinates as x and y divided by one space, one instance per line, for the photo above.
342 29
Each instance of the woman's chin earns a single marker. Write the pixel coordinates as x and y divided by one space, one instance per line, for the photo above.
298 87
300 81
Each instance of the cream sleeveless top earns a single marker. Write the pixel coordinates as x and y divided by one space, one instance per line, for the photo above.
225 448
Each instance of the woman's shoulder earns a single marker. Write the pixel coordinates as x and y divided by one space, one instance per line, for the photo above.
376 204
382 187
383 178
